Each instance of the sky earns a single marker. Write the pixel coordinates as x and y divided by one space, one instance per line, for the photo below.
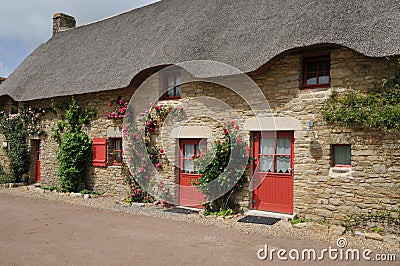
25 24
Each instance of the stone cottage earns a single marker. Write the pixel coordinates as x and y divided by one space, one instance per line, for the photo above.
296 52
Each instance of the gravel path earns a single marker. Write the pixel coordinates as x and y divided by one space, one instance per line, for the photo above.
281 229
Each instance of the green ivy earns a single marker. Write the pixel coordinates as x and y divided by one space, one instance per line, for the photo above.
16 129
75 148
378 109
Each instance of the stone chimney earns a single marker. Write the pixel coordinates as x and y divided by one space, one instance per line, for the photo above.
62 22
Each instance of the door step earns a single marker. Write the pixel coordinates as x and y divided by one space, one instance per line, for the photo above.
269 214
189 208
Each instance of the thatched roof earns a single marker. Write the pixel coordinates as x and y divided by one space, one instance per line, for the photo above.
245 34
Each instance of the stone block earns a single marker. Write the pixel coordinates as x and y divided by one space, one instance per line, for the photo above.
373 236
391 239
331 207
138 204
336 202
284 224
359 234
324 213
337 230
301 225
319 228
380 169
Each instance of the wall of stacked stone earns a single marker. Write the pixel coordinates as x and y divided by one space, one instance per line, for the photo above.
372 184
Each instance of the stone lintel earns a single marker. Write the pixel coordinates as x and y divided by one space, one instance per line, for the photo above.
191 132
272 123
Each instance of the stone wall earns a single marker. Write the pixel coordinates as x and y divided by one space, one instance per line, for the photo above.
320 190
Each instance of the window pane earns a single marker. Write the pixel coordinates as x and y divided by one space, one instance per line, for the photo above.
342 154
188 151
170 82
283 146
312 66
202 148
170 93
323 78
324 65
311 79
282 164
266 164
117 157
267 146
118 144
178 91
188 166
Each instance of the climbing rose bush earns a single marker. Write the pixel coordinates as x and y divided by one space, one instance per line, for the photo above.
227 170
135 134
119 111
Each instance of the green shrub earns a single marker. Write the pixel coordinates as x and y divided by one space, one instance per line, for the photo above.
7 178
377 229
221 212
91 192
299 220
75 148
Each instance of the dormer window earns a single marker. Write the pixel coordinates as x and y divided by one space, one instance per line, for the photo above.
316 72
171 85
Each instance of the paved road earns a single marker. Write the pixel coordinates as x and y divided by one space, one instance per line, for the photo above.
40 232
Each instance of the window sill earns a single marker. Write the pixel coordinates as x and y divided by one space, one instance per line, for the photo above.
171 98
341 169
318 88
274 174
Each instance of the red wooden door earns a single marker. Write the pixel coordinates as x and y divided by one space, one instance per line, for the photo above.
273 172
188 194
37 160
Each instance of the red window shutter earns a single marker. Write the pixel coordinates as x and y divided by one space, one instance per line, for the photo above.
99 152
